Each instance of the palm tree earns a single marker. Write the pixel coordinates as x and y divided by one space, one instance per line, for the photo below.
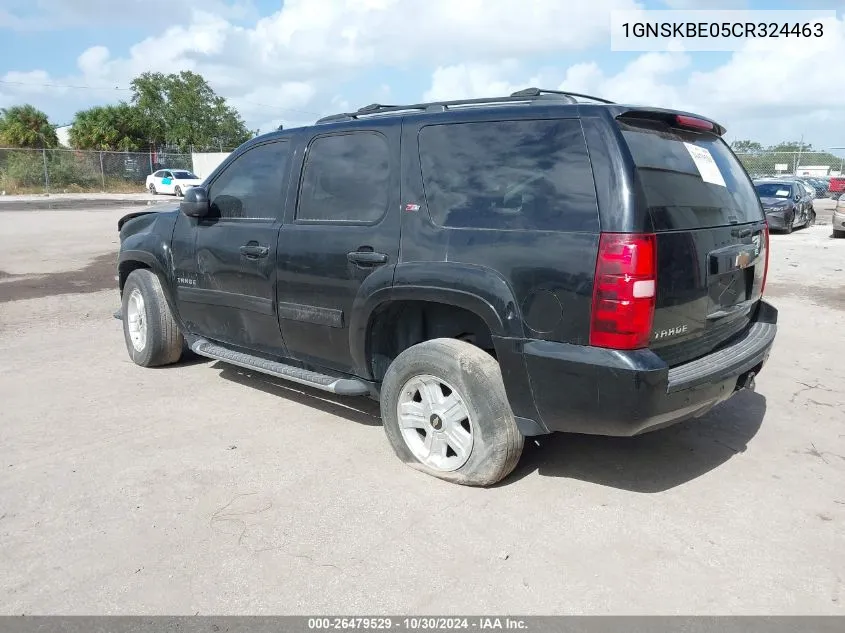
26 126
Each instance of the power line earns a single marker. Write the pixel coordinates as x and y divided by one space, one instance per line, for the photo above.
50 85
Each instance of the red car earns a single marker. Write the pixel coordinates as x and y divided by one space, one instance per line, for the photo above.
836 186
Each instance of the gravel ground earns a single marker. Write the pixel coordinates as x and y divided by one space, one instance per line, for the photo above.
200 488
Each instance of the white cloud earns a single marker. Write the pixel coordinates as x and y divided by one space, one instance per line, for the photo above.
767 90
42 15
469 81
287 67
706 4
321 43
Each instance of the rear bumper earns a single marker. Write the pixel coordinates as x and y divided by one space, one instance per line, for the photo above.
597 391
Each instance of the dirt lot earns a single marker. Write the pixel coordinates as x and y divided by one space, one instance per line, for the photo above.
200 489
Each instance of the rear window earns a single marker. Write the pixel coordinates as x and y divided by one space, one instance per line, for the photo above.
774 190
689 180
509 175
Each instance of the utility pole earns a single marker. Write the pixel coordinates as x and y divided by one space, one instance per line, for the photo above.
798 160
841 158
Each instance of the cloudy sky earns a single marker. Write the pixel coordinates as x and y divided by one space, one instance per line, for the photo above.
289 62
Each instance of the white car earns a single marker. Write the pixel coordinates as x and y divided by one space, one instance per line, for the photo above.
175 181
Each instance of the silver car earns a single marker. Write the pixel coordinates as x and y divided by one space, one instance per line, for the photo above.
839 218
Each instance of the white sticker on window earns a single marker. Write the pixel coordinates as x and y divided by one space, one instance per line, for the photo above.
707 167
782 193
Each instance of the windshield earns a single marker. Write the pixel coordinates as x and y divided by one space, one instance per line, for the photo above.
773 190
184 175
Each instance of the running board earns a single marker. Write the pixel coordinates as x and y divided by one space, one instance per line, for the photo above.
340 386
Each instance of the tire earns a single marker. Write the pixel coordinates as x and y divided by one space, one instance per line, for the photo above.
788 228
475 381
811 218
838 234
177 191
161 343
153 190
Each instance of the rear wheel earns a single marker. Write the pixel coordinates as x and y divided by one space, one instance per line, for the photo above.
151 334
446 413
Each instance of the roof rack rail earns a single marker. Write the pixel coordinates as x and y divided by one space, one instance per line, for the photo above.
539 92
529 95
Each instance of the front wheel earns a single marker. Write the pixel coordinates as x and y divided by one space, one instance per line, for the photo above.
811 218
838 234
149 329
178 191
446 413
789 224
153 190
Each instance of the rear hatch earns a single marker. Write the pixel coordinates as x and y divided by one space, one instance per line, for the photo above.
711 235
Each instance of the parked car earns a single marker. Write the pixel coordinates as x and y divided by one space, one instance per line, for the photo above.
839 218
785 203
819 186
175 181
836 186
807 185
489 269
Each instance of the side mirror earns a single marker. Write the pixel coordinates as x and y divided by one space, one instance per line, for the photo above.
797 197
195 203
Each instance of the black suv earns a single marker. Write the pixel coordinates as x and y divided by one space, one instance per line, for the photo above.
489 269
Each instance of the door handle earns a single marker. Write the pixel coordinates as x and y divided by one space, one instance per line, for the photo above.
253 251
366 258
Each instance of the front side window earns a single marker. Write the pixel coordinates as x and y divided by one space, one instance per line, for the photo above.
509 175
345 178
251 186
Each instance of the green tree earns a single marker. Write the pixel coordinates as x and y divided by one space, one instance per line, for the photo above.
790 146
746 147
183 111
26 126
113 127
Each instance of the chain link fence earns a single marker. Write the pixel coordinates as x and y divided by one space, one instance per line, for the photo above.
76 171
73 171
772 164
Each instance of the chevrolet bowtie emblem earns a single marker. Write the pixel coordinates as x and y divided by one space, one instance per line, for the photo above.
742 260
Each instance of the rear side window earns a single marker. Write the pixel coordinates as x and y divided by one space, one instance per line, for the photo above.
509 175
345 179
683 192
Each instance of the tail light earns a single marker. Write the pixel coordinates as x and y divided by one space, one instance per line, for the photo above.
694 123
624 291
766 265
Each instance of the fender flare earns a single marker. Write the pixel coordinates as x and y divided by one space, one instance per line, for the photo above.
500 325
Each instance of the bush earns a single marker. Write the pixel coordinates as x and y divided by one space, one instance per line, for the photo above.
23 169
72 169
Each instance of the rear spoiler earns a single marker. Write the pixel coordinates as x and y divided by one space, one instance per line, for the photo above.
674 118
